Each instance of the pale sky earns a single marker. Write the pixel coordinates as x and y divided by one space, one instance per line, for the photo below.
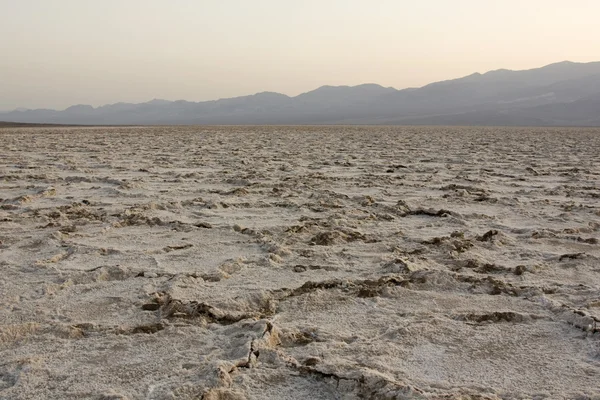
56 53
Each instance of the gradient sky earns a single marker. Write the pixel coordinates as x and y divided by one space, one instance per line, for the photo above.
55 53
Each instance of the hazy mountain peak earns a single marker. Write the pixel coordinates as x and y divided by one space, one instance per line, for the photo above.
364 88
79 108
325 88
158 102
564 63
271 94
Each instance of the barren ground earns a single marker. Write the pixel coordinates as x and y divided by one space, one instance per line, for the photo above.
299 263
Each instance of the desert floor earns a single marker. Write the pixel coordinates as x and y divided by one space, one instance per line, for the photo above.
299 263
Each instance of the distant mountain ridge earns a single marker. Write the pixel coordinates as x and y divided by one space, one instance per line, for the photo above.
560 94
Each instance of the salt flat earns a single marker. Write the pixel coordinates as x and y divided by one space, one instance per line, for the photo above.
299 263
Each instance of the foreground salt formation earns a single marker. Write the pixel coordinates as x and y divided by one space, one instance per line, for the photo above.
293 263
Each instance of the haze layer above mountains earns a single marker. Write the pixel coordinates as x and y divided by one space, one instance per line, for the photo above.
561 94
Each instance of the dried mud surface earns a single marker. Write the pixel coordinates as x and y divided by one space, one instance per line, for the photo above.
299 263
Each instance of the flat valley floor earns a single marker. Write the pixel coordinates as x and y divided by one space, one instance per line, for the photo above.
299 263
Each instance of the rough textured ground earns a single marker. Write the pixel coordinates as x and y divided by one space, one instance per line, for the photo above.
299 263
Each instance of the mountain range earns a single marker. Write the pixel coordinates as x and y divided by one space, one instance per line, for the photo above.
560 94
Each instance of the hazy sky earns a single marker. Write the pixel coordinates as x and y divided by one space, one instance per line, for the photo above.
55 53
